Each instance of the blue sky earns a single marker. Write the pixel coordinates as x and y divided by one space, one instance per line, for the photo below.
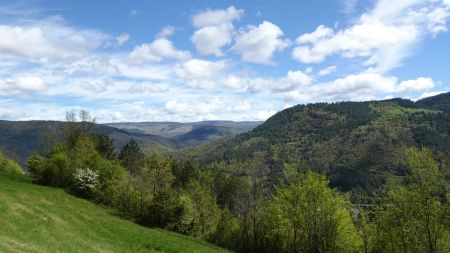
215 60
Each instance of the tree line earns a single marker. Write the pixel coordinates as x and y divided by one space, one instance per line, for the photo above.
239 205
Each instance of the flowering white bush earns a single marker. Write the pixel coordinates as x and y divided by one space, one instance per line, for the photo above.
85 181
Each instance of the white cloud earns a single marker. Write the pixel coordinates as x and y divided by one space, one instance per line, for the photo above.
210 39
322 32
94 86
122 39
22 85
216 17
264 115
258 44
166 32
358 41
420 84
362 86
437 20
292 80
214 30
384 35
201 73
48 39
327 70
156 51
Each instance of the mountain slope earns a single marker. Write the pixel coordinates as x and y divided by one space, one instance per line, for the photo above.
42 219
357 144
438 102
175 129
20 138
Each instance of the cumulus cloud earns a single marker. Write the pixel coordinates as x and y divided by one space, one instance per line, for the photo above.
420 84
258 43
201 73
210 39
216 17
360 40
214 30
156 51
383 35
49 39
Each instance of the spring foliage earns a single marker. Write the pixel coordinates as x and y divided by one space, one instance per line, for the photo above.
248 206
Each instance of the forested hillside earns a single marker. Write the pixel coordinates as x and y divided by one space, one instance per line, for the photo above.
358 145
19 139
339 177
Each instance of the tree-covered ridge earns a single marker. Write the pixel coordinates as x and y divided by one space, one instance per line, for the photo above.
20 138
439 102
358 145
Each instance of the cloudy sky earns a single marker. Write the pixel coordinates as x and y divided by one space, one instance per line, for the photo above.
208 60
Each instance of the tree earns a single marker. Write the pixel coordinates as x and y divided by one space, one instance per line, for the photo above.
76 126
131 157
104 145
156 181
412 218
311 217
200 211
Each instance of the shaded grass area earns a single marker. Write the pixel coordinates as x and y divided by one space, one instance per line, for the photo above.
41 219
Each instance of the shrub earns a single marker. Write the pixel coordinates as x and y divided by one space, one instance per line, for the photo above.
85 182
9 165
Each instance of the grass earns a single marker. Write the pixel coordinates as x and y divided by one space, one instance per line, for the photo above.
41 219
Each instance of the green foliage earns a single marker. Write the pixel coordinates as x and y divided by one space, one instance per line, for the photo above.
9 165
104 146
310 217
412 218
358 145
131 157
200 211
267 191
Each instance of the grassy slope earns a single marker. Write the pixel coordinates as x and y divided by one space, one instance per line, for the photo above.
42 219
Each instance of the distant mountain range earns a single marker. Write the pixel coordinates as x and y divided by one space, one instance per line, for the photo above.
19 139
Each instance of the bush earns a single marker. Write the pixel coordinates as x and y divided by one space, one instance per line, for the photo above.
9 165
85 182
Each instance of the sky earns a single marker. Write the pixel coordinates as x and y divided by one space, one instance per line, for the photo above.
215 60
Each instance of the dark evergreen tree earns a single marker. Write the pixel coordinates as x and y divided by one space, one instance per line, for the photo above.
131 157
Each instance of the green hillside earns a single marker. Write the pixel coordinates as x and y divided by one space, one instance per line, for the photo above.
19 139
41 219
358 145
